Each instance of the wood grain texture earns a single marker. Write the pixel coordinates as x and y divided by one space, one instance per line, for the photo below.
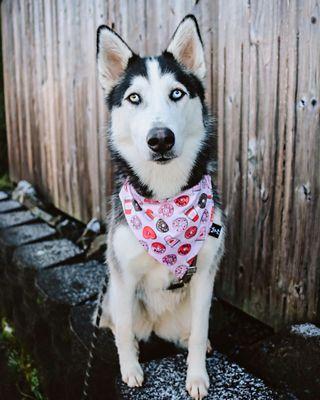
269 157
263 83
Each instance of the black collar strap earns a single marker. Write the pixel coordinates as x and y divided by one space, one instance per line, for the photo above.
215 231
186 277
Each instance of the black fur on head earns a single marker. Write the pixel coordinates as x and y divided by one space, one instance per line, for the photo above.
168 64
137 66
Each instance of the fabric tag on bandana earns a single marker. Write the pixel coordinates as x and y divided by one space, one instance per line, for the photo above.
173 230
215 230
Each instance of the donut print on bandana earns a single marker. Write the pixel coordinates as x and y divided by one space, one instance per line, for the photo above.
172 230
180 224
205 216
158 247
144 244
190 232
182 200
166 210
135 222
162 226
169 259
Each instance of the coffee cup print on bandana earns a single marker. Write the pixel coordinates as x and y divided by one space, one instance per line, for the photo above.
202 234
150 214
127 206
192 214
171 241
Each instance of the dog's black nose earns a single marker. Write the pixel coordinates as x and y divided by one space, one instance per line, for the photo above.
160 140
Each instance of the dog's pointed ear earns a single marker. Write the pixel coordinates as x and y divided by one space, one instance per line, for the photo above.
187 48
113 55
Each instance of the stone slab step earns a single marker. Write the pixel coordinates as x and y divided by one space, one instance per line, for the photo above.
15 236
9 205
290 357
45 254
16 218
3 195
71 284
165 379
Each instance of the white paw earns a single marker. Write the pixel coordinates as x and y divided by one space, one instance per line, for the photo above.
132 375
197 385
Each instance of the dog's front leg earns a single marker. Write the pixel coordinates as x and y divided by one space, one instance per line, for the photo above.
197 383
123 291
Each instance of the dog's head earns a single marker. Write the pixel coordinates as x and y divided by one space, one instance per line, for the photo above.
156 103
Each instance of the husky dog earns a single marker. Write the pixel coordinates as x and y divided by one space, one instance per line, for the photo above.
161 142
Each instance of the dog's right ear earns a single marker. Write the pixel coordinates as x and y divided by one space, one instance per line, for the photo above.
187 48
113 55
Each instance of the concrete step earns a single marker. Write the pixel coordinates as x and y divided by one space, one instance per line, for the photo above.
16 218
3 195
9 205
165 379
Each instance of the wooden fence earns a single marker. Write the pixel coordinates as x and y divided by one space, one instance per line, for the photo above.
263 81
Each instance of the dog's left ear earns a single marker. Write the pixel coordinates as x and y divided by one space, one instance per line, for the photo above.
187 48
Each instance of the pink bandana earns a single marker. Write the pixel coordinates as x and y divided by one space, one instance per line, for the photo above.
172 230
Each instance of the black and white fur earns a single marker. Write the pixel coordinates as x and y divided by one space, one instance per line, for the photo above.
143 93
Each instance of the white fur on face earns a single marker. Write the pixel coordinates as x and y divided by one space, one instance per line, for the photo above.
131 124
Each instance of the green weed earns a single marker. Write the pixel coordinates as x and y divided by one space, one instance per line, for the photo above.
20 364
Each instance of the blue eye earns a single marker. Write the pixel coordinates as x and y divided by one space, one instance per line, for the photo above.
134 98
176 94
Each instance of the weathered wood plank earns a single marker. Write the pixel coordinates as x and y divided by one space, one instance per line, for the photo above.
269 157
